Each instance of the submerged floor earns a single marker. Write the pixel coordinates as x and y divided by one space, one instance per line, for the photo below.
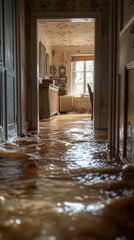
61 184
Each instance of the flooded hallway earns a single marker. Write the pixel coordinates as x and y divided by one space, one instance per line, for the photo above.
61 183
67 120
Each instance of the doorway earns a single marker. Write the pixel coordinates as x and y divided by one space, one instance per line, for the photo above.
59 43
97 65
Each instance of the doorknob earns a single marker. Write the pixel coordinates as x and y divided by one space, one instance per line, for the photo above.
1 60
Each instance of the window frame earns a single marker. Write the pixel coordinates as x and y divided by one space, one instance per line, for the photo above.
84 76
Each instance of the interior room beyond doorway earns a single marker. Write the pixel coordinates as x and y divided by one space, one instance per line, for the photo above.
65 65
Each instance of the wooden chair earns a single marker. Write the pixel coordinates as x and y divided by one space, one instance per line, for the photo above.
91 98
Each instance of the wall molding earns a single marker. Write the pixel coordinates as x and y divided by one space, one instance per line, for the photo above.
127 25
25 126
130 65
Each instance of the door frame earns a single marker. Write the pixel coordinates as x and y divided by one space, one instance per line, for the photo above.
127 68
34 109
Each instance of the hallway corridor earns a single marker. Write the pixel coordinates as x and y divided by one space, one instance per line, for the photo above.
61 184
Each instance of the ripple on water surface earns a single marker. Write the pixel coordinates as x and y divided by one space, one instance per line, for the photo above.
61 183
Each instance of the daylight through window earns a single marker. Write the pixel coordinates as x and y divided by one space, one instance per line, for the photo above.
82 74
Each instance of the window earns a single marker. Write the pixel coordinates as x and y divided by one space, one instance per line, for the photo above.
82 74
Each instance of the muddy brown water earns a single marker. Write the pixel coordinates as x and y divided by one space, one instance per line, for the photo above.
62 184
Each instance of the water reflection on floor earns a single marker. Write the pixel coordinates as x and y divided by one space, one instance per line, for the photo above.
61 184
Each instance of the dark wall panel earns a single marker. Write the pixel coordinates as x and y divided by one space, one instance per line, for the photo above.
1 32
1 108
130 116
128 10
2 105
9 34
10 100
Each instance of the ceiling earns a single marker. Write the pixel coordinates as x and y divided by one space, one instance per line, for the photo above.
69 33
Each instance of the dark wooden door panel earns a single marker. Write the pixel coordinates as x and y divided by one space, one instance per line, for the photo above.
10 99
8 103
11 105
2 105
118 112
125 111
130 117
9 33
1 32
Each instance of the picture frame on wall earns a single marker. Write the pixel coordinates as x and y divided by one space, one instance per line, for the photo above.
42 59
62 79
51 69
54 70
62 71
47 64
